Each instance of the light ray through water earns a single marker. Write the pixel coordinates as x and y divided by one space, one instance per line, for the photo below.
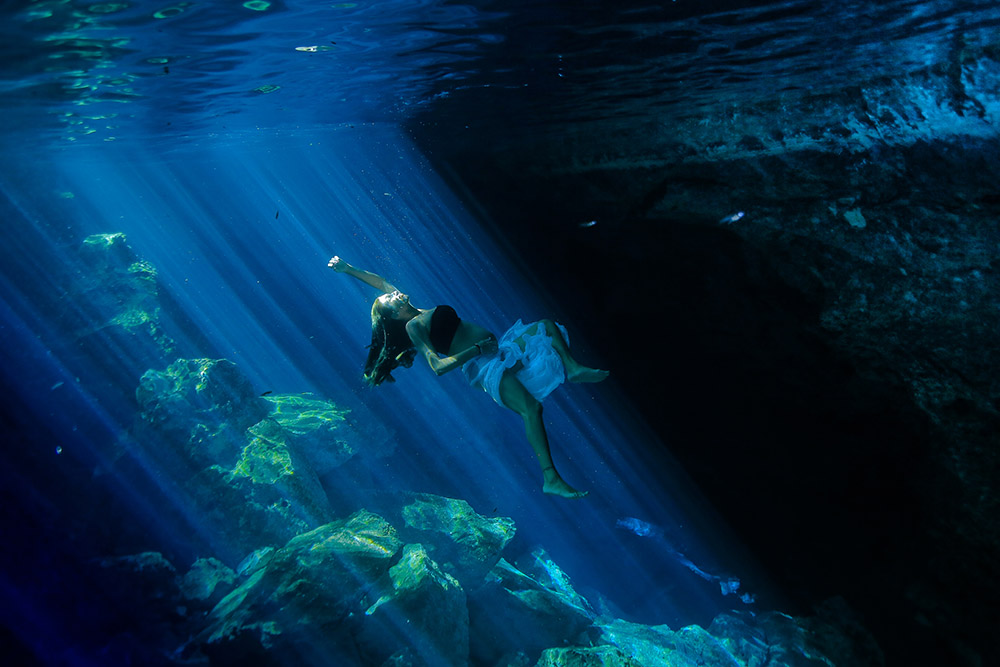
257 286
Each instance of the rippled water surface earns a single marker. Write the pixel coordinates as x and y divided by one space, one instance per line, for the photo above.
115 69
120 67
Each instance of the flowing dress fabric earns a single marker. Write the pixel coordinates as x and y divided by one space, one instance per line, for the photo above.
543 369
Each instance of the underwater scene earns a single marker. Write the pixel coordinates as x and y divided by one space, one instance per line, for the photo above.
500 333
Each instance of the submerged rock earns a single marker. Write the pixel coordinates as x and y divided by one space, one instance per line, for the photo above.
744 639
151 566
348 593
255 561
270 461
467 544
208 410
576 656
353 593
247 464
308 599
832 637
514 612
545 571
244 515
652 646
207 582
137 614
863 277
198 408
423 609
325 434
360 592
116 294
104 306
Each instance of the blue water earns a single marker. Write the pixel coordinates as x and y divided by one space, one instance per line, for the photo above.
240 233
238 149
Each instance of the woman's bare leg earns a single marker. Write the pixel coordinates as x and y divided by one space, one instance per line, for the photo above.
575 372
517 398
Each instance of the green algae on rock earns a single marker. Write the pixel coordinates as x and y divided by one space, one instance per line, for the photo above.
651 646
324 433
269 460
116 289
423 609
244 515
466 543
251 465
307 596
360 591
202 407
579 656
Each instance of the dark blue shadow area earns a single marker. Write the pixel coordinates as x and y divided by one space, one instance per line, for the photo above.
239 234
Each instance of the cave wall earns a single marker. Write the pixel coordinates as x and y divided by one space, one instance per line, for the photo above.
804 304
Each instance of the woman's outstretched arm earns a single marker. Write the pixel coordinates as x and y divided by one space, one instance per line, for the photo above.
373 279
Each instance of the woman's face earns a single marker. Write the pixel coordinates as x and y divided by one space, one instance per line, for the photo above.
393 303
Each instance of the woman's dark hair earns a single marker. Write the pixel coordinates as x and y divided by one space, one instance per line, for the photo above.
390 347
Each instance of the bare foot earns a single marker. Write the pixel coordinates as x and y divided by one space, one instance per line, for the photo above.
557 486
584 374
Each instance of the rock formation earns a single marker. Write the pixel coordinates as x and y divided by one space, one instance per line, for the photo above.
278 575
824 341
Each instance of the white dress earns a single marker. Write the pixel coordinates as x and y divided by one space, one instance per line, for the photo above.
543 369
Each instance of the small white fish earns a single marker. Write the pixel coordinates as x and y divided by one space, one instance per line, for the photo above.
588 224
55 386
730 219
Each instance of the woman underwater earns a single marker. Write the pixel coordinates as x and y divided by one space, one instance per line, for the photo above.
518 371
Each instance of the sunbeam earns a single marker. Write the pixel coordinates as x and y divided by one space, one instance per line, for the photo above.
238 239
